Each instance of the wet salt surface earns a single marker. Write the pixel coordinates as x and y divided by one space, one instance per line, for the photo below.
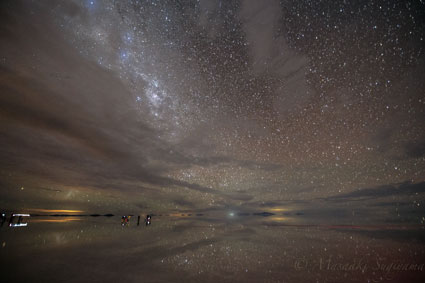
209 249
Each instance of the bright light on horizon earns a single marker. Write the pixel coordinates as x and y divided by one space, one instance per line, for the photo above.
56 210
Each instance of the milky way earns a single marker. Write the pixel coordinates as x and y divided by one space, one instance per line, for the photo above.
204 104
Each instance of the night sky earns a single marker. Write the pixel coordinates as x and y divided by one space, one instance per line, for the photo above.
202 105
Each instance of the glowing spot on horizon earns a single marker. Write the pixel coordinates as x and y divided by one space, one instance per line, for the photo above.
279 209
56 210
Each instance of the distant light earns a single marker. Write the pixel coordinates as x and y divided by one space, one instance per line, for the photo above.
18 224
279 209
20 214
55 210
231 214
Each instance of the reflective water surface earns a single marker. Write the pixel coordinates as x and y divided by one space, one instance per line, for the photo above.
224 247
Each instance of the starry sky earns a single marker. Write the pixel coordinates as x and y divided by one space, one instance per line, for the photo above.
197 105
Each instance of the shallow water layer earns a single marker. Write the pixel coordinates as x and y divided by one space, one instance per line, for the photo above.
178 248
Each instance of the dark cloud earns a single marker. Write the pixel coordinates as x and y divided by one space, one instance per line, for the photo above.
403 189
73 121
240 196
185 203
415 149
69 113
271 54
194 103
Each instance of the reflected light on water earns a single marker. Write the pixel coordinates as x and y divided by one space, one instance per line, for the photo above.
278 218
64 220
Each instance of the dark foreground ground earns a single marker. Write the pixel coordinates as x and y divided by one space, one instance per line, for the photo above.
209 249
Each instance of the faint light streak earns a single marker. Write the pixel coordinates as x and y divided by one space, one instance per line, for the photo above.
18 224
56 220
56 210
279 209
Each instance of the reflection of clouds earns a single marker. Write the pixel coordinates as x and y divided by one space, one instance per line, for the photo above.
179 215
278 218
195 251
60 238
